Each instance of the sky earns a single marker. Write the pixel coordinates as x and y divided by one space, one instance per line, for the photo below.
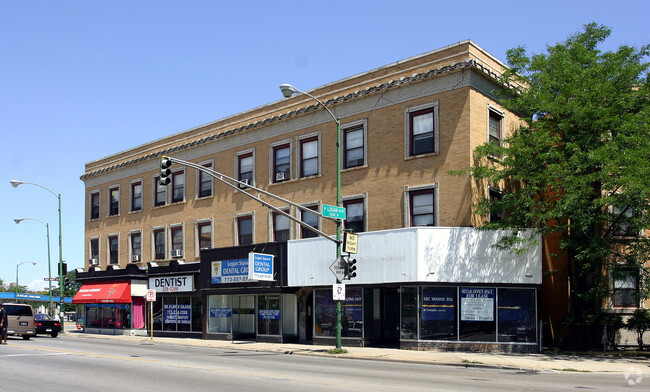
82 80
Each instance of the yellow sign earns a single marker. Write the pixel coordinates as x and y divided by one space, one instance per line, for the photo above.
350 242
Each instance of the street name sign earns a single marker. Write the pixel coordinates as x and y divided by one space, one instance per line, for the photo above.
335 212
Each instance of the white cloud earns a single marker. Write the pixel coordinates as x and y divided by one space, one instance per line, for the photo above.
37 285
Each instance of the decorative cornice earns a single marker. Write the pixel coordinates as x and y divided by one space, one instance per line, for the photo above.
416 77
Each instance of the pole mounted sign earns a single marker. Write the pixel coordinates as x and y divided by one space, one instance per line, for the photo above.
350 242
333 211
338 268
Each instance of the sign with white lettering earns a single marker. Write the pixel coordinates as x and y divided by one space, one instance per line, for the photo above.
176 314
172 284
229 271
260 266
476 304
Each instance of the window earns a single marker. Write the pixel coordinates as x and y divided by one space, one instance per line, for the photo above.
309 157
496 195
136 196
160 197
311 219
205 182
422 208
159 244
113 249
422 130
355 217
281 163
495 133
178 186
625 288
177 240
94 205
136 247
245 230
114 201
204 230
245 168
281 227
353 147
623 225
94 249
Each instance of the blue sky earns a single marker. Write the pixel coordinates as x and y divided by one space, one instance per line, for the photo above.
80 80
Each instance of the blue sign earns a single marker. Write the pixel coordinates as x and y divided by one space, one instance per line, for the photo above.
262 266
220 312
439 304
177 314
229 271
268 314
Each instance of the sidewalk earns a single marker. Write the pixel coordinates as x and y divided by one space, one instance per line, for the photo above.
525 362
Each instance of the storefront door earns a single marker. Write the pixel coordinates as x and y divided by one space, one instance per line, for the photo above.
243 316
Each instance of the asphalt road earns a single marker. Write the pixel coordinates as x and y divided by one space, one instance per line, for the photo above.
68 363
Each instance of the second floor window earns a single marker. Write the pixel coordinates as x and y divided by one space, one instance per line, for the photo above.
136 247
496 215
94 205
245 168
177 239
114 201
205 235
281 163
178 186
311 219
309 157
281 227
422 208
245 230
94 249
159 244
113 249
136 196
355 217
625 288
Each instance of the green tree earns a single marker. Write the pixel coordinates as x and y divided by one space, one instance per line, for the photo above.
639 322
577 166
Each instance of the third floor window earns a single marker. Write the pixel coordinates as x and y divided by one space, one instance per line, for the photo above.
114 201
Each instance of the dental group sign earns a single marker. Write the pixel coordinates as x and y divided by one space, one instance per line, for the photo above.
260 266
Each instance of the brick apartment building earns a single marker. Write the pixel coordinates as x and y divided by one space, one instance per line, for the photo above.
404 127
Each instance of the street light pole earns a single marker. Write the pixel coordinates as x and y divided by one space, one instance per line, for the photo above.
288 90
18 265
49 264
15 184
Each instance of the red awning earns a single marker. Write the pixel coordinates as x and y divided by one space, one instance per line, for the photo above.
104 293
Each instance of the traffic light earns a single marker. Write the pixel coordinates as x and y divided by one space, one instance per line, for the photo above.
165 171
66 283
350 268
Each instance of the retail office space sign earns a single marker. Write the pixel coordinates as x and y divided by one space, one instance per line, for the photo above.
172 284
476 304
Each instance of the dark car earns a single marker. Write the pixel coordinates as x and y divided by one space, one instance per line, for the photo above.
45 325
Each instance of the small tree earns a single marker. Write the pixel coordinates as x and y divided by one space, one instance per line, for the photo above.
639 322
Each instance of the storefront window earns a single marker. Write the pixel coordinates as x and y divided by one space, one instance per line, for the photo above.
108 316
289 314
477 314
325 313
409 313
438 313
220 312
268 314
177 314
517 315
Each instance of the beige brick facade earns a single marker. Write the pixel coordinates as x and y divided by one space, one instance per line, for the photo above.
456 82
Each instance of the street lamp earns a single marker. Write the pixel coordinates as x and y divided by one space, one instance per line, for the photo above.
287 91
19 264
15 184
49 264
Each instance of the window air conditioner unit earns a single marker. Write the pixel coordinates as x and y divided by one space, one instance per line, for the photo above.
280 176
135 258
176 253
243 183
93 261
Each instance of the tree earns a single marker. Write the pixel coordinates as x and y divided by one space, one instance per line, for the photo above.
639 322
577 167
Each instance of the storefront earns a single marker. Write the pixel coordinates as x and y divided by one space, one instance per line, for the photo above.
111 307
443 288
245 292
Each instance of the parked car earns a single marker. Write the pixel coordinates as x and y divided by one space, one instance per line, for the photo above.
46 325
80 323
21 320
